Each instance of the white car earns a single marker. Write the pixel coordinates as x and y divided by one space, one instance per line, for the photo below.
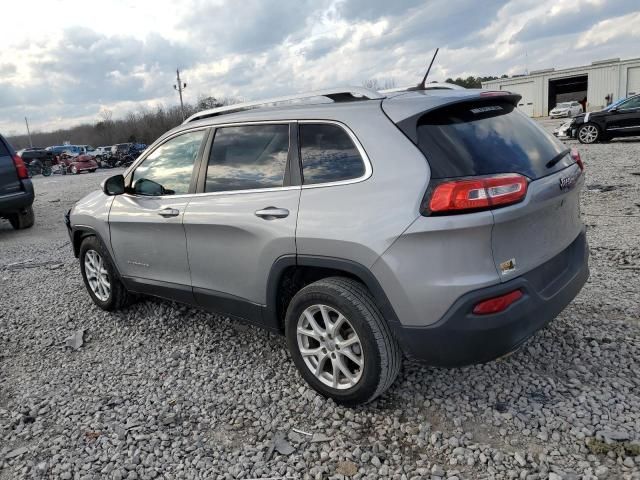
566 109
101 152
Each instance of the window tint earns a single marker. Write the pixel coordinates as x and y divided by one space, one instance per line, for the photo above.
170 165
631 103
248 157
484 138
328 154
3 150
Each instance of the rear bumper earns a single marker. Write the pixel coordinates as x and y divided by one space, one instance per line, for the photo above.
18 201
462 338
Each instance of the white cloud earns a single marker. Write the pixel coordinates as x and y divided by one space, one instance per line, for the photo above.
626 27
79 57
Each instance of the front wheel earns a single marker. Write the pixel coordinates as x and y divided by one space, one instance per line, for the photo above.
588 133
340 342
100 276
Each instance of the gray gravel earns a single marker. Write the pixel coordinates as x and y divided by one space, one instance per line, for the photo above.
166 391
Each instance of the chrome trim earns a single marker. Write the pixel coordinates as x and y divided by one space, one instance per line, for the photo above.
624 128
328 93
368 169
211 194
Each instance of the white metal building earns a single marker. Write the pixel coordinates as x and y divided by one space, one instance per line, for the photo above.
590 85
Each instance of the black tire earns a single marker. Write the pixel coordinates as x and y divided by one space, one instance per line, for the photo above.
591 127
92 170
24 219
46 171
118 297
382 354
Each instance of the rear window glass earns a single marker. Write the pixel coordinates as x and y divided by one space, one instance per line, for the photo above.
481 139
328 154
3 149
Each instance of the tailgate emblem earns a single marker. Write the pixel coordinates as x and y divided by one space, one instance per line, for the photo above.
567 183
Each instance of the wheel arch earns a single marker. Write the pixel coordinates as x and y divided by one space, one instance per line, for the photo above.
290 273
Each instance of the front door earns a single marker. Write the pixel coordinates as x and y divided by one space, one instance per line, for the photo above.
243 219
625 120
147 235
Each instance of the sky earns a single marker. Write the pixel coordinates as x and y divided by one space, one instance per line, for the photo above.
64 62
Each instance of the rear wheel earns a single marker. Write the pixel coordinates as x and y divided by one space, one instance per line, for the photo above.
100 276
340 342
74 169
588 133
24 219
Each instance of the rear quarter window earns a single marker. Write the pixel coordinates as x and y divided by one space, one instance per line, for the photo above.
480 138
328 154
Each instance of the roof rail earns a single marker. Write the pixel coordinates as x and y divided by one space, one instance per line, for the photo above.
344 94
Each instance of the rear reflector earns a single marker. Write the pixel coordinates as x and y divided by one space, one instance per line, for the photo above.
478 193
497 304
575 154
21 168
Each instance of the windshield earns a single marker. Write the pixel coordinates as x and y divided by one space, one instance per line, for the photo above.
563 105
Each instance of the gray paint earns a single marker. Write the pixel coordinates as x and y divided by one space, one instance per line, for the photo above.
423 264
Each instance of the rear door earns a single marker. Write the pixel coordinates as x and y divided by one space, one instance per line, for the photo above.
147 235
244 217
625 120
9 182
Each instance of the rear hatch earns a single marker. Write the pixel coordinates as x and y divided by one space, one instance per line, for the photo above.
485 136
9 182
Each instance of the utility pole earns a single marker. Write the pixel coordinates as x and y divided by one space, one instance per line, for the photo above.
28 132
180 87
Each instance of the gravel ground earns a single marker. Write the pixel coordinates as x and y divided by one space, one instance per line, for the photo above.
165 391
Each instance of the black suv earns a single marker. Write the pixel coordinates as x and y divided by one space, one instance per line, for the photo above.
621 119
16 190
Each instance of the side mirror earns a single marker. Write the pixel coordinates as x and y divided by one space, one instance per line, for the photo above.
614 109
113 185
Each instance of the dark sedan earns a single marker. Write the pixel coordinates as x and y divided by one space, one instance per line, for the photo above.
622 119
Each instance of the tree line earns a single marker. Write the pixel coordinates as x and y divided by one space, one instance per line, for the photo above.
471 81
143 126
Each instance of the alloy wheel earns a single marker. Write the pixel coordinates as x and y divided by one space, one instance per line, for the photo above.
97 275
588 133
330 347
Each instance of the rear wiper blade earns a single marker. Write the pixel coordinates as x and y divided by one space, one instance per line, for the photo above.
557 158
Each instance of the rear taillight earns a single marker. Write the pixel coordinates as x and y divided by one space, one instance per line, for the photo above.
21 168
480 193
575 154
497 304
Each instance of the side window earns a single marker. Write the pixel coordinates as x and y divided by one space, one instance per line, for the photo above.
248 157
632 103
167 171
328 154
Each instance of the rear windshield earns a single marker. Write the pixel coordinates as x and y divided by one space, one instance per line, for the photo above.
486 138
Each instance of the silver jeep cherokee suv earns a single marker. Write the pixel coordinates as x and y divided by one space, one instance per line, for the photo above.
444 224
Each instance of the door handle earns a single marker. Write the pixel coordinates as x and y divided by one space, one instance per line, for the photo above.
271 213
169 212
